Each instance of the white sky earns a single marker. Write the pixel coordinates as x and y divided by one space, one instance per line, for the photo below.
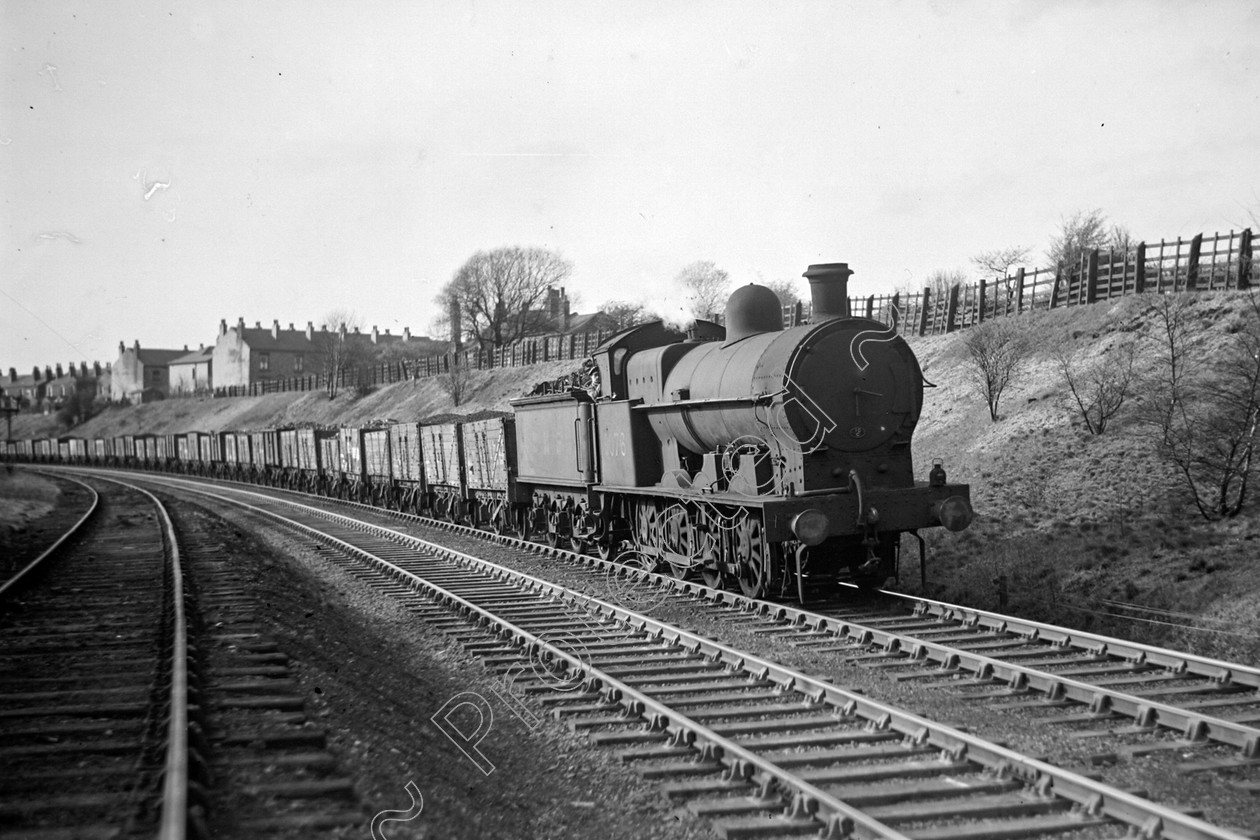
165 165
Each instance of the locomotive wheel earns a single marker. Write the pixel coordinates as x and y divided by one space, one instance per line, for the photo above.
754 559
711 571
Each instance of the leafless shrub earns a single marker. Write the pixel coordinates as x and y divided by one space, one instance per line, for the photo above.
1101 387
456 382
998 353
1206 415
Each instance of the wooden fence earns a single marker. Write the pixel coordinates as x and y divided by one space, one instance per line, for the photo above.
1201 263
526 351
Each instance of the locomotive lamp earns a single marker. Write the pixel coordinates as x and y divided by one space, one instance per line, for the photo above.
936 478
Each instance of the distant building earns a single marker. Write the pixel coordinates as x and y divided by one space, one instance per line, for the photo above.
27 390
141 375
244 355
556 317
46 390
192 373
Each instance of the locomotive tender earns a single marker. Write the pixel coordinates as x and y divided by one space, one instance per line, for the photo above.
776 459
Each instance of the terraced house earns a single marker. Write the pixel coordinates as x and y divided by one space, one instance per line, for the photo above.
245 355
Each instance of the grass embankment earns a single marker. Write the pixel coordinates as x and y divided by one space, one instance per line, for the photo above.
1079 524
1075 523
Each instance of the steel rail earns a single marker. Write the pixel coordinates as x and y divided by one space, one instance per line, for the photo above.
1206 667
173 820
839 818
11 585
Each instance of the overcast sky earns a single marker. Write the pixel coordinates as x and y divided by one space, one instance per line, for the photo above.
166 165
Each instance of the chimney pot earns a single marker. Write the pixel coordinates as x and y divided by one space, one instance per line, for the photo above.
223 326
828 291
275 329
240 326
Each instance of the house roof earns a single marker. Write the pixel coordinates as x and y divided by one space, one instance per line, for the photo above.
159 357
196 357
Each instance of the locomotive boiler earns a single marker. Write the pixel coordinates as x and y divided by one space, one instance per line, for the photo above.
776 458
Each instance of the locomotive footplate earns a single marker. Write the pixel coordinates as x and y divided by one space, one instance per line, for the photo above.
847 512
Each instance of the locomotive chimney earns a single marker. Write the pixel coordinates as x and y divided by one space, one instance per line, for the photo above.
828 291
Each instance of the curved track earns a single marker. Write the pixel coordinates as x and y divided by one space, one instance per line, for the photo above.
802 754
93 719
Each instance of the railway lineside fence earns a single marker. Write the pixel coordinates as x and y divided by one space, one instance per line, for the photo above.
1201 263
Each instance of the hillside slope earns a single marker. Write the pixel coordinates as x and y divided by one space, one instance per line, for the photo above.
1079 524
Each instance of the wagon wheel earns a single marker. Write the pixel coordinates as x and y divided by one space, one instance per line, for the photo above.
754 558
501 520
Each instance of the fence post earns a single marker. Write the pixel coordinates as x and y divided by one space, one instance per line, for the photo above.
1192 270
1091 275
951 308
980 308
1244 259
1019 290
925 312
1139 270
1058 281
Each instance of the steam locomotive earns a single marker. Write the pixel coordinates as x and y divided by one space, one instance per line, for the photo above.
777 460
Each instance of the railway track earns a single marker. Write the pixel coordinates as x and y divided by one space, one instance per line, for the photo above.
93 716
97 731
1100 686
762 749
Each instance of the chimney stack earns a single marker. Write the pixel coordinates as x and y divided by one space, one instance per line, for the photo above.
12 375
310 330
96 369
83 369
240 326
275 330
828 291
60 372
122 348
35 374
137 347
375 334
406 333
223 326
48 377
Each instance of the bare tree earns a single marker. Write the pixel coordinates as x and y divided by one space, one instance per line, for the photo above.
1172 384
1085 231
706 287
341 348
1208 415
789 291
998 352
500 293
623 314
1101 387
997 263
